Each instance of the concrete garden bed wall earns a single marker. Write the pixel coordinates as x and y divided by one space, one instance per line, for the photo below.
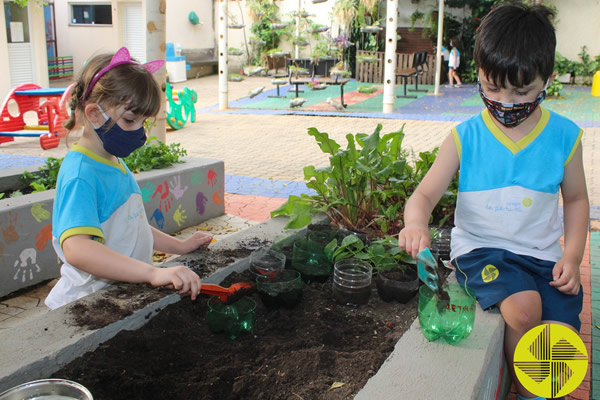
175 198
416 369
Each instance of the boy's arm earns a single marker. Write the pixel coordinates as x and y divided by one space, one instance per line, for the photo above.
99 260
576 208
172 245
415 235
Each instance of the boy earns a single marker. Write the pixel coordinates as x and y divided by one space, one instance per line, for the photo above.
514 158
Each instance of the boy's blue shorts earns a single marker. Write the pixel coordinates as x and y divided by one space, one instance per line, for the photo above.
515 273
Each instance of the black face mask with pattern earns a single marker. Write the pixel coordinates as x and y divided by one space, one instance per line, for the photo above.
511 114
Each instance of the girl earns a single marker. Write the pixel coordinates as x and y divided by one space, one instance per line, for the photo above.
453 64
99 226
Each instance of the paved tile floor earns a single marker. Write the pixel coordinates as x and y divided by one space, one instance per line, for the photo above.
276 148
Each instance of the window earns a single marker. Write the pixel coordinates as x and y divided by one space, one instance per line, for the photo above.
91 14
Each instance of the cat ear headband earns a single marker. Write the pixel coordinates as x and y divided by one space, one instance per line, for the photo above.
122 57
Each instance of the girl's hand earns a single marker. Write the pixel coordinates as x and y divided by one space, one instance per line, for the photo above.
566 276
196 241
414 238
179 278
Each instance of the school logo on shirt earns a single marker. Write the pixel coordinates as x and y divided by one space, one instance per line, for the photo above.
550 360
527 202
489 273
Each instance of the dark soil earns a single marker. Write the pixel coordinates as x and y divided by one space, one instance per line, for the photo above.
293 354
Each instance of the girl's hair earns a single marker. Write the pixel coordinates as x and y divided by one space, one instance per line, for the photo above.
455 42
127 84
516 42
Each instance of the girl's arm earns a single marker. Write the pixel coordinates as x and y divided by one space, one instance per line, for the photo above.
415 235
93 257
169 244
576 208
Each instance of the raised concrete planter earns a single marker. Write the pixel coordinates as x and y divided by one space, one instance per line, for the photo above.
416 369
175 198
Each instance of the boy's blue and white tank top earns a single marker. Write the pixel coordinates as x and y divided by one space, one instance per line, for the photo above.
508 193
96 197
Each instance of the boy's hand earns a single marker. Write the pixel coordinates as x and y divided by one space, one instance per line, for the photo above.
179 278
414 238
566 276
196 241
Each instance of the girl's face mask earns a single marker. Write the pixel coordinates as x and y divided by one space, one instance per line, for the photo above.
511 114
116 140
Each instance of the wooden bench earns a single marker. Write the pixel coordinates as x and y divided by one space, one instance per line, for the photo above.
419 67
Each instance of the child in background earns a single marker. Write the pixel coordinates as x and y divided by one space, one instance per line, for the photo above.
99 226
454 63
515 160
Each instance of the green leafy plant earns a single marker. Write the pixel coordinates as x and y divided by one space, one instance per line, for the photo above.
154 155
586 67
365 186
383 254
46 176
555 88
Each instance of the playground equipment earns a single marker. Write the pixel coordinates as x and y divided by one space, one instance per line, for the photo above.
178 111
51 112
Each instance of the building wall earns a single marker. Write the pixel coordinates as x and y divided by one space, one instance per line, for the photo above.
578 25
4 65
37 39
83 41
180 30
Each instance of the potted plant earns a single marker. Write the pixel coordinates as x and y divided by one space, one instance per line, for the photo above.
235 78
365 186
363 58
395 270
234 51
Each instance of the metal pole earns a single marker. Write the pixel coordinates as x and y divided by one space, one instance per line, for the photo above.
222 47
389 76
438 53
296 47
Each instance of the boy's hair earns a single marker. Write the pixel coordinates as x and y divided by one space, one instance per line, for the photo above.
516 42
129 84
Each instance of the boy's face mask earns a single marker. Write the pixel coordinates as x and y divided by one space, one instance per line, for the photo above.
511 114
116 140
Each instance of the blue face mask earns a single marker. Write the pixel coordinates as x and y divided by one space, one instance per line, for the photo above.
116 140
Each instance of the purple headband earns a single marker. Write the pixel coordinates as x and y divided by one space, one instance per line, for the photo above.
122 57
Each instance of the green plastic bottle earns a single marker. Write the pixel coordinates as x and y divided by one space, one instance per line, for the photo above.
451 319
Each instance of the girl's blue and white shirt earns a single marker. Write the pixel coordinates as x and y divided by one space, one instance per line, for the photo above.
508 195
454 61
99 198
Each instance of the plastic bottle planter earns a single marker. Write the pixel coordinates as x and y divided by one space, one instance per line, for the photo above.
451 319
352 281
320 239
235 52
236 26
397 284
279 54
311 262
235 78
371 29
233 319
283 289
278 26
266 262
